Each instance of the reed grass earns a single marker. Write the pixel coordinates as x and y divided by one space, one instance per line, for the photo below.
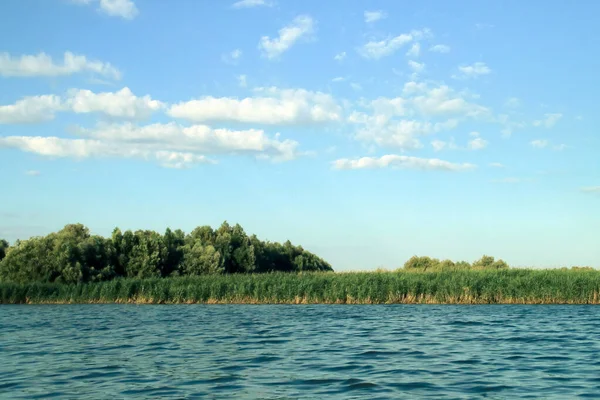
515 286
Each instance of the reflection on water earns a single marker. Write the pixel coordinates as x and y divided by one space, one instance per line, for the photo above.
308 352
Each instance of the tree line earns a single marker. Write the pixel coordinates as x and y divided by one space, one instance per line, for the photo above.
73 255
417 263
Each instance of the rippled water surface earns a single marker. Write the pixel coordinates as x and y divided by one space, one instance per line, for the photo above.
308 352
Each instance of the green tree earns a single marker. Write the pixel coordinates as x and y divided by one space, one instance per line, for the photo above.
484 262
446 264
147 255
421 263
3 248
174 242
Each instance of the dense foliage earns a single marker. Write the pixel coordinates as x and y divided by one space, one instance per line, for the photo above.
73 255
484 286
417 263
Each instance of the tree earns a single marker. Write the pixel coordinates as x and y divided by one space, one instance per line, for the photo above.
3 248
174 242
421 263
484 262
147 255
446 264
499 264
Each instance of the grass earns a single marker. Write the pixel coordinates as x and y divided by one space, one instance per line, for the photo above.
514 286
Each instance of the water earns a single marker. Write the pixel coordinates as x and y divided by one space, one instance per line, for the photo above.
299 352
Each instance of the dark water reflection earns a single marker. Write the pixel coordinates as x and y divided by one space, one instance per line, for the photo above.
308 352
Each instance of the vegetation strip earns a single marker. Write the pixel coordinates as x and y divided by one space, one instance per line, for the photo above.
501 286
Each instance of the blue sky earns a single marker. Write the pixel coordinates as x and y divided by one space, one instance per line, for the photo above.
366 131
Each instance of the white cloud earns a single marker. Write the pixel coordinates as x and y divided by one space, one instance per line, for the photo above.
355 86
591 189
42 64
477 144
85 148
251 4
440 48
373 16
472 71
579 118
171 145
119 8
340 56
397 161
549 121
443 100
559 147
540 144
415 66
414 50
120 104
33 173
378 49
301 26
279 106
338 79
29 110
242 81
512 102
394 122
232 57
496 165
438 145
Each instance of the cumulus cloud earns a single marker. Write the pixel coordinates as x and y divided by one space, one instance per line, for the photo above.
42 64
496 165
414 50
404 162
32 109
477 144
549 120
443 100
251 4
170 145
232 57
120 104
512 102
378 49
399 122
85 148
300 27
274 107
416 66
340 56
540 144
472 71
33 173
374 16
119 8
115 8
440 48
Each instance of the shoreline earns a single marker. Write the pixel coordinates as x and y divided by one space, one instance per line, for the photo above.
452 287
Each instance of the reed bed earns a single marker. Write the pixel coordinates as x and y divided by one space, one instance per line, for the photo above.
514 286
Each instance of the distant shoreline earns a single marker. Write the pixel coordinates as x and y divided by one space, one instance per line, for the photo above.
513 286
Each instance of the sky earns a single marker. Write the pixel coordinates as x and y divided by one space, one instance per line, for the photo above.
367 132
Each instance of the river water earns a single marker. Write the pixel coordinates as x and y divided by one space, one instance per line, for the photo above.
299 352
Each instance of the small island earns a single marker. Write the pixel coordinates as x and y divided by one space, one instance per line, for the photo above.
226 266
